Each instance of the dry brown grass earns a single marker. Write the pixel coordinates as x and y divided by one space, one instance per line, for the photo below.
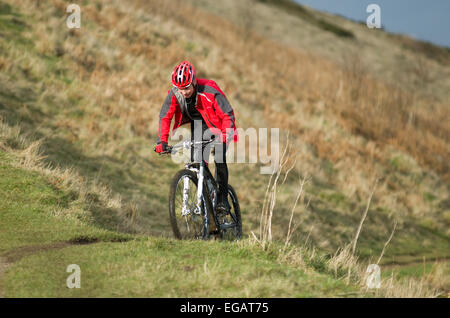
378 112
120 65
439 278
344 261
28 155
375 111
120 62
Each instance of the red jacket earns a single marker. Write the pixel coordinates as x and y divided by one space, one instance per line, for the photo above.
211 104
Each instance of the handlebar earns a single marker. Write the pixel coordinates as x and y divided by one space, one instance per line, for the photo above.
186 145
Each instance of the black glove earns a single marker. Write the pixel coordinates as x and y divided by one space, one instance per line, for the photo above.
161 147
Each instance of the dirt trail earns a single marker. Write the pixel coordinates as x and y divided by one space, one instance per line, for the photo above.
17 254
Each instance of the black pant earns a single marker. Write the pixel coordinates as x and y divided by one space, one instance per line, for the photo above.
202 153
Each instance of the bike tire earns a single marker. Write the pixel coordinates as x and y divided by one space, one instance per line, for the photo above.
235 216
181 224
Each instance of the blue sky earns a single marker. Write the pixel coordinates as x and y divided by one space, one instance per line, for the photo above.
421 19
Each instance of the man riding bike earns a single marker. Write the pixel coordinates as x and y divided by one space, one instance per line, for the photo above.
203 104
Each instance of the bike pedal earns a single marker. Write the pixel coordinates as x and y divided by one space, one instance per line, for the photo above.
226 226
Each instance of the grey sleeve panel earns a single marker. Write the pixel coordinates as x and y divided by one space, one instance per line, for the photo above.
220 98
164 110
208 89
226 108
224 105
166 106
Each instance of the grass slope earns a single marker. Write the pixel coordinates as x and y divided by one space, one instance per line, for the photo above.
92 97
167 268
29 209
121 265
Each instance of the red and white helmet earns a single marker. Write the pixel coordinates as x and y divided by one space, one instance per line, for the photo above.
183 75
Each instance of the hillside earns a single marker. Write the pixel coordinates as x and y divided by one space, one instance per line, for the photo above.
34 257
419 67
80 112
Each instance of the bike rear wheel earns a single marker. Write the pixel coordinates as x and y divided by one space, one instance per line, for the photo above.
231 223
186 220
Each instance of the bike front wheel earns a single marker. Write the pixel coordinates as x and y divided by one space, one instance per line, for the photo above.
187 220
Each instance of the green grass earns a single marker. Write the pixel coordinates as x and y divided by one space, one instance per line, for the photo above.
142 267
122 265
411 242
167 268
36 214
140 177
12 24
119 265
26 208
417 270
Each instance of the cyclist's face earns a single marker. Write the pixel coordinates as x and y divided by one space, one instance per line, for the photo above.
187 92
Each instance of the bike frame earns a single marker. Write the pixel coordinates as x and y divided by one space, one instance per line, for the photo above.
200 172
206 197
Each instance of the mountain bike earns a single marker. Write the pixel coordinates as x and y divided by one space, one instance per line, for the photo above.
193 198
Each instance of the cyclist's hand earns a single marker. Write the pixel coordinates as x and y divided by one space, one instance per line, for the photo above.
161 147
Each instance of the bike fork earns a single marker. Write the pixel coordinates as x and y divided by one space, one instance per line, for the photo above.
200 189
185 210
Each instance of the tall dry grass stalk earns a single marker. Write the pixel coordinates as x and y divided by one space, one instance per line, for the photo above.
265 232
343 261
344 258
267 212
293 227
355 240
387 243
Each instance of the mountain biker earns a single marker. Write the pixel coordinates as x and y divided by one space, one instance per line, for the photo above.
203 104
